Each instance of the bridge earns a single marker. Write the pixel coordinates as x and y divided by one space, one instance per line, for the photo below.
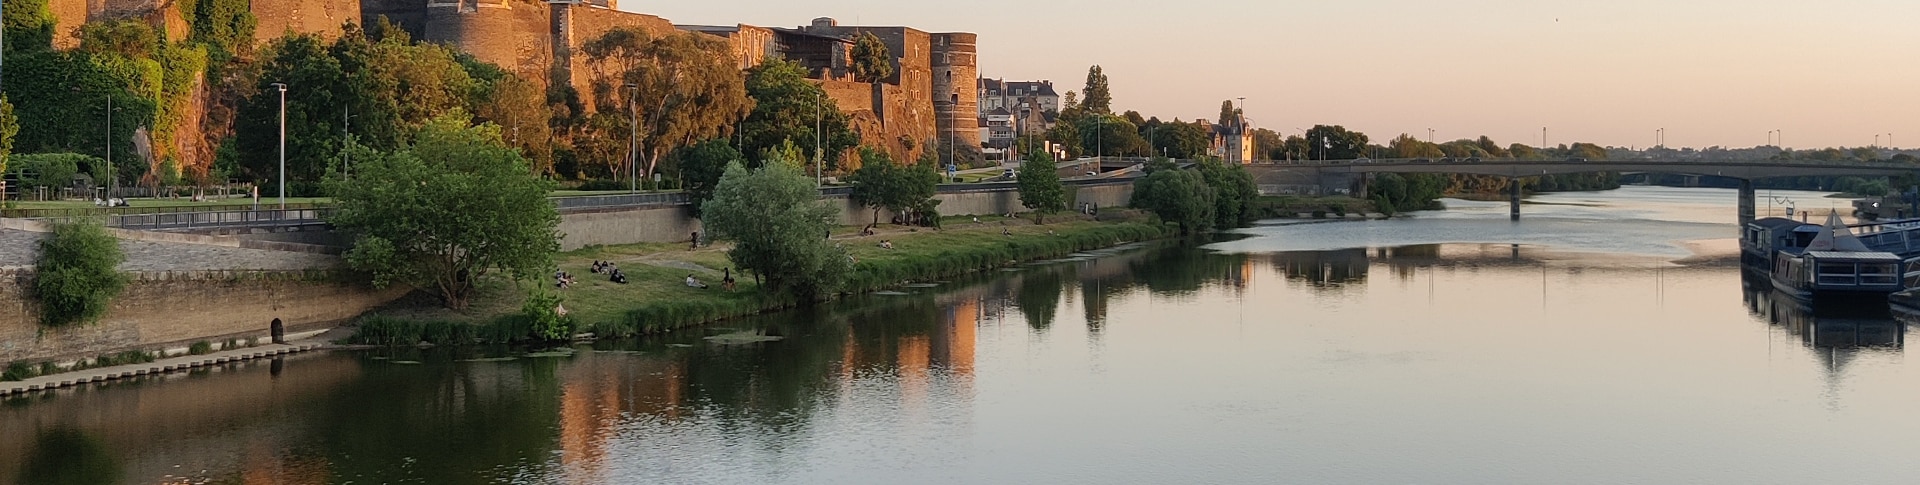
1334 176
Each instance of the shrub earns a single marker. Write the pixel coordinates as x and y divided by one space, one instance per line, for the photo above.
18 371
542 311
76 274
200 348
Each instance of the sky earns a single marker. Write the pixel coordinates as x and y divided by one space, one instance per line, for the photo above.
1710 72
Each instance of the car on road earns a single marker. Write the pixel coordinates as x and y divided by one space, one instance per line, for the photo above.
1009 174
1576 159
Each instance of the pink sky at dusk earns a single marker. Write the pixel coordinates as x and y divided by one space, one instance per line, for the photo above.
1714 72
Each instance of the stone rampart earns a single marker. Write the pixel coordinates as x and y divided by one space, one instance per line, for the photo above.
169 309
507 33
323 17
576 25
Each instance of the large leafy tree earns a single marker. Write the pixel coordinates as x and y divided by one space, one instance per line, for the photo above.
1097 98
1335 143
9 127
701 167
1233 189
880 183
1040 187
1177 196
1109 135
376 89
871 61
1180 140
683 87
29 25
456 205
785 108
776 220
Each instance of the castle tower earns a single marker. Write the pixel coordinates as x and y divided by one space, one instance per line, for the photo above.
956 90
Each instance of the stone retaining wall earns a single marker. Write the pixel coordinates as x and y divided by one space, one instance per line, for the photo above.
167 309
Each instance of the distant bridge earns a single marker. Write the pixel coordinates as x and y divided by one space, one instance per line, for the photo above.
1350 176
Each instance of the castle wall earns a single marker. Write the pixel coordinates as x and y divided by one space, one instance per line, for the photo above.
410 15
495 31
69 15
324 17
885 115
955 88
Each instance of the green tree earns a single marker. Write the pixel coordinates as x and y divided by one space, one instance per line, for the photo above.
76 275
871 61
1177 196
29 25
451 208
1040 187
51 170
1097 98
520 108
1228 113
225 25
1109 135
880 183
1067 136
702 165
9 127
1269 144
1234 192
1180 140
785 108
776 220
684 85
1335 143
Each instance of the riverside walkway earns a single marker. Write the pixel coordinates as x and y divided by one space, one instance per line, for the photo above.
158 368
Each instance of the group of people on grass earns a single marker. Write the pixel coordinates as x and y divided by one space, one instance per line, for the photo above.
612 271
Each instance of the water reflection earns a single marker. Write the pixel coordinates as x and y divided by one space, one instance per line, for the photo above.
1852 328
959 384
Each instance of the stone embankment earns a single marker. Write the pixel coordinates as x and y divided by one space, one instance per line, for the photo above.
161 367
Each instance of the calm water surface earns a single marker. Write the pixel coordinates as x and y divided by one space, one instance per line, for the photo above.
1611 345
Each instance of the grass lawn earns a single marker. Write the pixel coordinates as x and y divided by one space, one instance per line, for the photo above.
656 272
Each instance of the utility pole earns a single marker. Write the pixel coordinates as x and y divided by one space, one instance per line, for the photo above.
346 138
818 158
283 142
113 174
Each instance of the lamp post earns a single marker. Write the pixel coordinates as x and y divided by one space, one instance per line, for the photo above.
113 175
633 139
283 142
819 161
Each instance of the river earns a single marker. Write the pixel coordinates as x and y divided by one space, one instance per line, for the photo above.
1606 338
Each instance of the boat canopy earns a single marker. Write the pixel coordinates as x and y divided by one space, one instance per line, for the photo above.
1836 237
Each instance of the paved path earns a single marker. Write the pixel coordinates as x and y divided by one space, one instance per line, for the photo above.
175 364
17 250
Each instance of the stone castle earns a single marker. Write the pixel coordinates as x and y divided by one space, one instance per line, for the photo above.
930 100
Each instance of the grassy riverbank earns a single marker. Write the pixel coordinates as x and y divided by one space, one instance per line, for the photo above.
655 298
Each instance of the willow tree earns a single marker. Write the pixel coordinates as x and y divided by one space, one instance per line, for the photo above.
682 88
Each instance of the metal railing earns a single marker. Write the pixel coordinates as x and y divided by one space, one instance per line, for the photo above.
68 213
621 200
264 218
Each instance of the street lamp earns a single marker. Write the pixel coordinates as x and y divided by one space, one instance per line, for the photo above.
632 138
283 142
818 160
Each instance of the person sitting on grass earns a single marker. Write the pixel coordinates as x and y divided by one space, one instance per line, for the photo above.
694 283
1006 232
886 244
726 281
618 277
